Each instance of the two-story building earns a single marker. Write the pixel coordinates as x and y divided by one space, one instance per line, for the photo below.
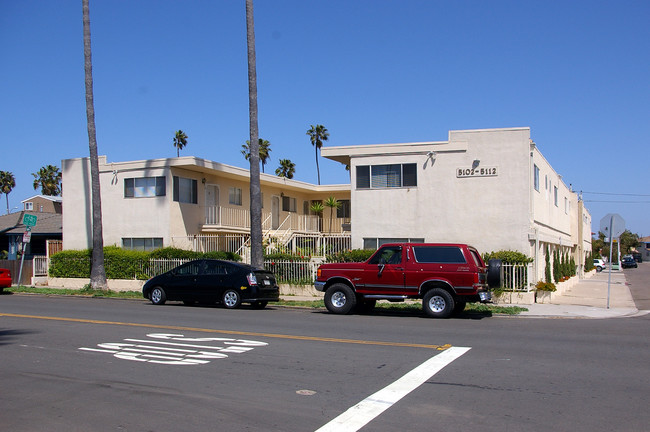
490 188
198 204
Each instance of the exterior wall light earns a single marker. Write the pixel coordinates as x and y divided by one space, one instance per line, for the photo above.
475 163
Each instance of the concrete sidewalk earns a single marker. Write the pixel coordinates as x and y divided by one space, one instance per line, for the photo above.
588 299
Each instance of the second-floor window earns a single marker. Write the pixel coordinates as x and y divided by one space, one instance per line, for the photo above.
142 187
536 178
288 204
386 176
234 196
185 190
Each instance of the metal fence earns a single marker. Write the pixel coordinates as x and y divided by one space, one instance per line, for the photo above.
517 277
293 272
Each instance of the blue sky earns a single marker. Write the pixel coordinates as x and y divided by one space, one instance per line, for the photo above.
371 71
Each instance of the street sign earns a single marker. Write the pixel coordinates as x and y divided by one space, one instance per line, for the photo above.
613 222
27 236
29 220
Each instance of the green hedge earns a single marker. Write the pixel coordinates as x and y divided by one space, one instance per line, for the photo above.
121 263
354 255
508 257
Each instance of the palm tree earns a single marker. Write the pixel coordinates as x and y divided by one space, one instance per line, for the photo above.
264 150
317 208
286 169
97 270
48 178
332 203
318 134
7 183
257 257
180 141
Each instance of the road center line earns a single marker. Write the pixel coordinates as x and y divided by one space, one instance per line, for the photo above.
365 411
233 332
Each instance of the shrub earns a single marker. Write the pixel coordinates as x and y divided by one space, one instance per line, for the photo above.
353 255
545 286
508 257
122 263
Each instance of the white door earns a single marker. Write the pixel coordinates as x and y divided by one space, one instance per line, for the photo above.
212 204
275 212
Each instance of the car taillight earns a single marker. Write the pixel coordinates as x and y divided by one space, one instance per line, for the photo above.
318 273
252 279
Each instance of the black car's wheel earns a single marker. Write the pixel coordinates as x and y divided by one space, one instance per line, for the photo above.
259 304
231 299
158 296
438 303
340 299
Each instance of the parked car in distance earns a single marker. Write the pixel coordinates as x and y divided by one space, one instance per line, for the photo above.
599 265
5 278
637 257
628 262
209 281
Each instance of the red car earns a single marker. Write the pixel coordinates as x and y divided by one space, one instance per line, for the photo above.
5 278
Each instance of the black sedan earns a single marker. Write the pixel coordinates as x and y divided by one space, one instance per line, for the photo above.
213 281
628 262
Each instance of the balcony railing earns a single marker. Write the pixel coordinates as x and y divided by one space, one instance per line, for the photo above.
240 218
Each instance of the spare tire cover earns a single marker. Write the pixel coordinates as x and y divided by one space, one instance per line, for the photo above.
494 273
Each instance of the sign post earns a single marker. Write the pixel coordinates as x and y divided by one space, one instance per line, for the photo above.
29 221
612 225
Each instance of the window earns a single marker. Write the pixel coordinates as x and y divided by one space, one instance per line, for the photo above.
363 177
388 255
343 211
217 268
234 196
555 195
288 204
536 177
142 244
376 243
29 206
386 176
143 187
185 190
439 254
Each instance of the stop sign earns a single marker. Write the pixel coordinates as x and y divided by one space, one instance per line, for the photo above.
612 225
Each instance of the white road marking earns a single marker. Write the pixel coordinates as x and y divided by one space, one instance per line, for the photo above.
175 353
365 411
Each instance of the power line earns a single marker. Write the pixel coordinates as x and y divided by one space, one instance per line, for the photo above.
615 194
618 202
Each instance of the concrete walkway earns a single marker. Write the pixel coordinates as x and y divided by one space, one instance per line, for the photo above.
588 299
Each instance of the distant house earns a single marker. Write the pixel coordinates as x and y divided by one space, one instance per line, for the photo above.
43 204
644 248
49 226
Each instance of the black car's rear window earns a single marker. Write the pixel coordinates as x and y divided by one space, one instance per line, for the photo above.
439 254
217 268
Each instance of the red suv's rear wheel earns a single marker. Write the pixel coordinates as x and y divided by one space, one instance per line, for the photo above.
438 303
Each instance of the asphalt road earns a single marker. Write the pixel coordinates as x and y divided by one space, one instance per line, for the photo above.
81 364
638 280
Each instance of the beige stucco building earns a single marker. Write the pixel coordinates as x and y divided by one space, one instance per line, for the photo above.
194 203
490 188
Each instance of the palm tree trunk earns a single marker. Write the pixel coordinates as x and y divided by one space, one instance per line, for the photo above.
317 169
257 258
97 271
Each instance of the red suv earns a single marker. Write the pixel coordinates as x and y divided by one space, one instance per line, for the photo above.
446 276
